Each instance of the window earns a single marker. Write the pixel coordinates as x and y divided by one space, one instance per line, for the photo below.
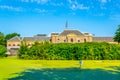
9 44
84 40
58 40
18 44
71 39
13 44
64 40
78 40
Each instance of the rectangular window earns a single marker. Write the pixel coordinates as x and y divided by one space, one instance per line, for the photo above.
9 44
13 44
18 44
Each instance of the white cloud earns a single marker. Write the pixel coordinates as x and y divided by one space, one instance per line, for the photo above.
57 4
103 1
18 9
70 1
75 5
79 6
82 7
41 10
115 17
44 10
37 1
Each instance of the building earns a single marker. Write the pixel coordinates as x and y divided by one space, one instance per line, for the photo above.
14 43
70 36
103 39
66 36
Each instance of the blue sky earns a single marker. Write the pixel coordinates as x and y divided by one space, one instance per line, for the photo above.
31 17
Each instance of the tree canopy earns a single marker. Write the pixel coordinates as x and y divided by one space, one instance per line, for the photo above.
11 35
2 39
117 35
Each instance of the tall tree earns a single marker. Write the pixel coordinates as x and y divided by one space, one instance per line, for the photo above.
11 35
117 35
2 39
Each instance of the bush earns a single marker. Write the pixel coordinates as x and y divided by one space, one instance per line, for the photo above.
67 51
3 50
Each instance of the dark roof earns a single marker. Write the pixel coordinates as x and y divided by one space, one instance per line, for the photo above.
16 38
35 38
103 39
66 32
38 38
41 35
42 38
55 33
28 38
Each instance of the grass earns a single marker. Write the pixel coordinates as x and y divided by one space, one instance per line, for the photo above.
12 68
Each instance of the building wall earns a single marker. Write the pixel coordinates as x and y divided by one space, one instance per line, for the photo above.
13 44
71 38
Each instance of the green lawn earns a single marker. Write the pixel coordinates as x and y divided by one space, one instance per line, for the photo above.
12 68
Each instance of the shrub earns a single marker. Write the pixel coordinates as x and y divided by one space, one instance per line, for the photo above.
67 51
3 50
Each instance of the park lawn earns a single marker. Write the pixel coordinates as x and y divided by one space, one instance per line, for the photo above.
9 67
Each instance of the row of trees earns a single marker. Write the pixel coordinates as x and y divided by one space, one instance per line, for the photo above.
78 51
3 42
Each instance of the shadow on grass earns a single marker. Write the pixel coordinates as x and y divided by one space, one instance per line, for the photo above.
69 74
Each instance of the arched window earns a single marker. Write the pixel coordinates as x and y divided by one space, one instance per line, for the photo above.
71 40
64 40
58 40
85 40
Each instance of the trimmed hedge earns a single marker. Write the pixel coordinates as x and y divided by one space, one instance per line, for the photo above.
68 51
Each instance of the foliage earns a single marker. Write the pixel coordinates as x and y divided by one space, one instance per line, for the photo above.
67 51
117 35
23 51
2 51
11 35
2 39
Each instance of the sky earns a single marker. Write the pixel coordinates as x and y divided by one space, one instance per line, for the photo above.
31 17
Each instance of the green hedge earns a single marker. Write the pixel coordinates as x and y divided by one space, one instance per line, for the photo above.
67 51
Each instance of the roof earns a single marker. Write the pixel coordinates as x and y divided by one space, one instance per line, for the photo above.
35 38
38 38
28 38
102 38
55 33
66 32
16 38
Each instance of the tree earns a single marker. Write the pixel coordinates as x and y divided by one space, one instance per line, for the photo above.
2 50
11 35
117 35
23 51
2 39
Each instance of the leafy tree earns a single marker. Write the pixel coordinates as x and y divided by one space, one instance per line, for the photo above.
11 35
23 51
2 50
117 35
2 39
